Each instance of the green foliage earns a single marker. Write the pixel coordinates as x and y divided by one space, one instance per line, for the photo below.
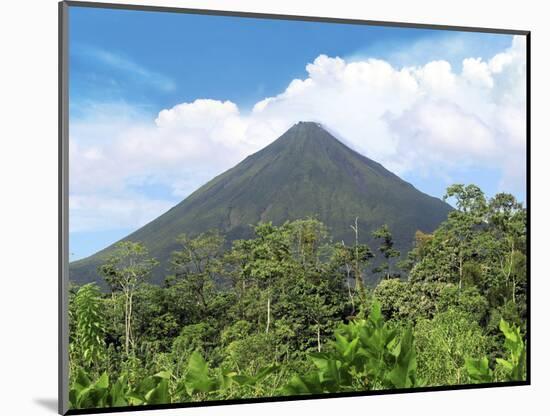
443 343
387 250
412 301
88 346
511 368
201 382
251 352
197 378
125 270
478 370
195 337
514 365
286 311
85 393
197 263
365 355
151 390
481 244
349 262
127 267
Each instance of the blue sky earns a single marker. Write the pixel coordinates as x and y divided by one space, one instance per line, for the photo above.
127 66
259 56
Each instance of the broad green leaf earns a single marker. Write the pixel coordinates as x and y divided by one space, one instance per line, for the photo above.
197 378
158 395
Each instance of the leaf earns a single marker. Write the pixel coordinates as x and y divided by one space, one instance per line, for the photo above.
102 382
319 360
118 393
309 384
163 374
376 312
82 379
265 371
507 365
479 370
243 380
349 353
135 399
197 379
158 395
509 333
403 373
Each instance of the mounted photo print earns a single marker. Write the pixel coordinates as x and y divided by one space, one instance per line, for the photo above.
265 207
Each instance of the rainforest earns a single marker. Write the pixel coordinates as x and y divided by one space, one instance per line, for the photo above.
290 310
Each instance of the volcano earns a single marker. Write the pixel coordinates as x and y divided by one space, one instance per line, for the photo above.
306 172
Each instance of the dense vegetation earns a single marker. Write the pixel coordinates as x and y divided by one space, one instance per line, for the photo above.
287 312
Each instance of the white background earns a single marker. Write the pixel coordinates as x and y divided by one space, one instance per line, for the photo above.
28 206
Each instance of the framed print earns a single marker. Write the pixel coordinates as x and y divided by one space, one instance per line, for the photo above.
264 207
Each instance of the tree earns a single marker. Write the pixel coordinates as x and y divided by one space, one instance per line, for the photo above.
270 260
198 262
452 245
126 269
469 199
351 261
418 252
309 238
341 262
509 219
462 223
311 308
387 250
158 316
235 267
313 287
361 256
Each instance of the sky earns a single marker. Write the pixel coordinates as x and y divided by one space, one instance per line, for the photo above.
159 103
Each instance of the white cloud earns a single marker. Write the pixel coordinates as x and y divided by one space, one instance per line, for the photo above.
477 72
431 118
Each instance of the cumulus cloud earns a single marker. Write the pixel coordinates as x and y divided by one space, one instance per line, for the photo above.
430 118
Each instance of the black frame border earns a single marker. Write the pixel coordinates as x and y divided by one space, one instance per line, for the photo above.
63 212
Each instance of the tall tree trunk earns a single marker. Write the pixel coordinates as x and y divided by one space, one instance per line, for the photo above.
350 295
348 272
268 313
130 307
460 271
318 337
126 321
506 268
514 290
510 273
243 291
115 313
202 298
359 286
